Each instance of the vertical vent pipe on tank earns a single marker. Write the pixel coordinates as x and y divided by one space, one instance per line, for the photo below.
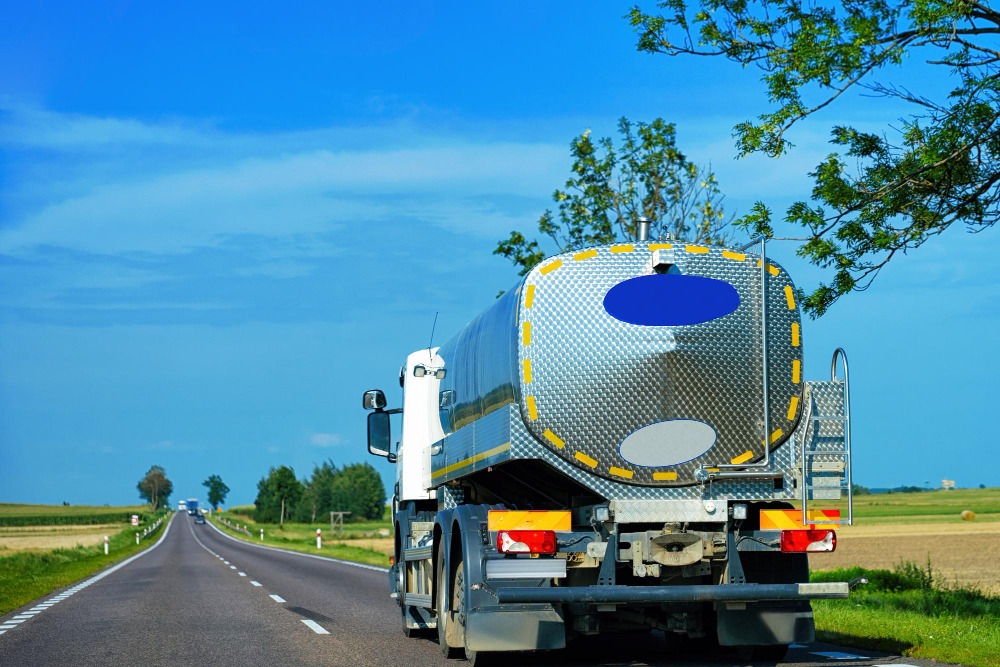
642 229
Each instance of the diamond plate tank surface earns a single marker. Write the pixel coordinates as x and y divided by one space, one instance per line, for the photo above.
640 363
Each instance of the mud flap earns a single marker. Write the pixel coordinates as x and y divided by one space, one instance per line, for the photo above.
763 624
521 629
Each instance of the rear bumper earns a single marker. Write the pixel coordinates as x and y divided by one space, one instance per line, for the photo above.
626 594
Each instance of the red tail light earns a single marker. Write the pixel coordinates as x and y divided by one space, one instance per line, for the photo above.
799 541
526 541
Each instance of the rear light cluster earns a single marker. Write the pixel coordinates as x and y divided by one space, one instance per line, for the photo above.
800 541
526 541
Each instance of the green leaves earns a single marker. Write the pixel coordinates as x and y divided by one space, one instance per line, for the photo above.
217 490
611 187
880 194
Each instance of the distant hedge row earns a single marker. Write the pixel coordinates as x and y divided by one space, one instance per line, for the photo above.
83 519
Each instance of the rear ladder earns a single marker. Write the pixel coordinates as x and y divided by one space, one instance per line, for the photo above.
826 443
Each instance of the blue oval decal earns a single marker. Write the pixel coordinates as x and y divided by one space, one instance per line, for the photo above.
669 299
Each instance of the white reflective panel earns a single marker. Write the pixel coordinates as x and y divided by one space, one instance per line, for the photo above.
526 568
668 443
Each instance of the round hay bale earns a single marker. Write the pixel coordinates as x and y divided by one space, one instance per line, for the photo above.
968 515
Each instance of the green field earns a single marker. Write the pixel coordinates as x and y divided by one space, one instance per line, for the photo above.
367 542
16 514
904 507
26 576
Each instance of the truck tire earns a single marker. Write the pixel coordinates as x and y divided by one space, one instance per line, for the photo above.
447 639
459 599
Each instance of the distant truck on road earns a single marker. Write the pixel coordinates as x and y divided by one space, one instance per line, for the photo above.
616 444
192 507
181 505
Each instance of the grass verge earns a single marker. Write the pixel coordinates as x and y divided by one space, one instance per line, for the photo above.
905 611
302 538
27 576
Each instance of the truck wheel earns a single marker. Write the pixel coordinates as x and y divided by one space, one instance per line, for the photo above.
446 632
459 598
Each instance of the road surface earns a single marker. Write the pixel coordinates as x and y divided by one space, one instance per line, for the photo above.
199 597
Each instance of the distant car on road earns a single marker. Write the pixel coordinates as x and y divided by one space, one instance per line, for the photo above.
199 518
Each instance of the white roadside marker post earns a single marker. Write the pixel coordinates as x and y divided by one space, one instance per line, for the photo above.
137 539
105 545
261 534
319 539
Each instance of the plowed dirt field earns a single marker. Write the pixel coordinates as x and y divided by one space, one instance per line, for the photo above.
965 553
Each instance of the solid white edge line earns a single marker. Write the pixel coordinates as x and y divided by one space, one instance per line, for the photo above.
363 566
315 627
100 575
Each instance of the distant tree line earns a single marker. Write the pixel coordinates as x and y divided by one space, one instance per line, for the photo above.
356 488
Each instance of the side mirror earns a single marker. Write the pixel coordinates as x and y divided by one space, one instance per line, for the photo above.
373 399
379 436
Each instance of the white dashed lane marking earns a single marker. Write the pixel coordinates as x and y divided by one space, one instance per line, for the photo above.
255 583
278 599
837 655
242 574
315 627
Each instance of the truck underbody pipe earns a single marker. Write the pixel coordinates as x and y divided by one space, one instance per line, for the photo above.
702 593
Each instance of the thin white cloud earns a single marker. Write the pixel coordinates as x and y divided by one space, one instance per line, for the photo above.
326 440
165 204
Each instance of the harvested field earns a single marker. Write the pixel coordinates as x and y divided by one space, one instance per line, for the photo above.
46 538
380 544
960 552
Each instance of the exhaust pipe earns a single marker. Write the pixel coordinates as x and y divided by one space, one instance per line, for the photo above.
642 228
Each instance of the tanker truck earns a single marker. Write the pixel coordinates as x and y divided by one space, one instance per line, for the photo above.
623 441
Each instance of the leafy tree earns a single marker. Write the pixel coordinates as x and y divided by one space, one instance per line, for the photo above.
318 497
611 188
217 491
878 194
277 495
358 489
155 488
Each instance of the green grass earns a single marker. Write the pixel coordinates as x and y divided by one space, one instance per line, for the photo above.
903 508
16 514
904 611
302 537
27 576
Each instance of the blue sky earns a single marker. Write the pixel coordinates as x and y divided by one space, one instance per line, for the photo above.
220 224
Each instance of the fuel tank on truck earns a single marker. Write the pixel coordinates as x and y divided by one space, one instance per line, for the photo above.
640 363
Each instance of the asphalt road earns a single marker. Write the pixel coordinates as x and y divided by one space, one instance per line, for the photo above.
202 598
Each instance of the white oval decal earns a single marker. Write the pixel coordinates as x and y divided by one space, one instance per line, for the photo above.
668 443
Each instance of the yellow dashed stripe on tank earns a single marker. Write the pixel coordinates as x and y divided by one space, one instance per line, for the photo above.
793 407
622 247
796 371
586 460
529 297
774 436
550 267
696 249
735 256
660 246
621 472
795 334
771 268
532 408
743 458
527 371
664 476
790 297
554 439
526 333
586 254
